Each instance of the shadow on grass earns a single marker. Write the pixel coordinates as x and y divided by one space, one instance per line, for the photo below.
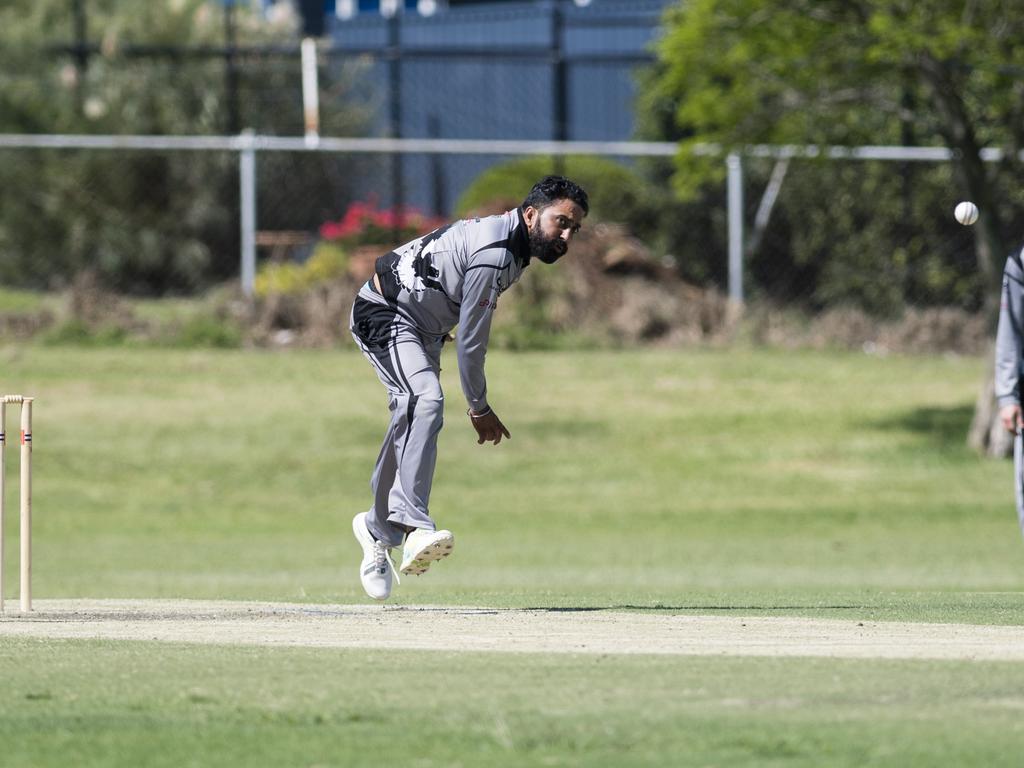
944 427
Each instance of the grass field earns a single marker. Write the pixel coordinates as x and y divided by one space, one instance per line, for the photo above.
817 484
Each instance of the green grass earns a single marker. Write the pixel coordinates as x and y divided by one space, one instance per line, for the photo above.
695 479
142 704
13 300
185 323
818 484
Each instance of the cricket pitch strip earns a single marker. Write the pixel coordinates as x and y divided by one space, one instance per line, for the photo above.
509 630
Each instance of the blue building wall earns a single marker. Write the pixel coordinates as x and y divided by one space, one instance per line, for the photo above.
488 71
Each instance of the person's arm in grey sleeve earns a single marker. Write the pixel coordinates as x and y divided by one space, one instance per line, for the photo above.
479 298
479 293
1009 345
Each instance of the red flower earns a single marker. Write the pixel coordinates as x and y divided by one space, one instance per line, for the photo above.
363 223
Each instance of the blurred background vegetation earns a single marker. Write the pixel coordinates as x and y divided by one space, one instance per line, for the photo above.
146 223
852 253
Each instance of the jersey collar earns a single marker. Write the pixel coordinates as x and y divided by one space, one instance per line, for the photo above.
520 241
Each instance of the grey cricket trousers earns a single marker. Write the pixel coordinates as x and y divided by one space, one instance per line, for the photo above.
408 364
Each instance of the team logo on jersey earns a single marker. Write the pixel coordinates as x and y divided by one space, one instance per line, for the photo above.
415 270
413 266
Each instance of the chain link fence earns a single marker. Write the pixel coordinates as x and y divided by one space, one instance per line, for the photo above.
874 235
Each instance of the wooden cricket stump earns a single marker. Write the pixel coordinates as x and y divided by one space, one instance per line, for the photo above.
25 492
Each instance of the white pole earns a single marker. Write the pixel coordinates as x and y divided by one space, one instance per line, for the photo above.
247 183
26 505
3 492
310 92
735 202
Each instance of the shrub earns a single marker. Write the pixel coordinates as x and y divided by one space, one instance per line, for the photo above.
204 331
329 262
148 223
616 192
74 332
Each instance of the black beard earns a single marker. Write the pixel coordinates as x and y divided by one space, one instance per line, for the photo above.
547 249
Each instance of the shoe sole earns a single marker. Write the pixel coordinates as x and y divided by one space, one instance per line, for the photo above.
436 550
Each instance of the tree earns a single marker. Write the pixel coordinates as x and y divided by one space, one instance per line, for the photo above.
852 72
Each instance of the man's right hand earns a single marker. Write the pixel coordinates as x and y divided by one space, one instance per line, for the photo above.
1011 417
489 428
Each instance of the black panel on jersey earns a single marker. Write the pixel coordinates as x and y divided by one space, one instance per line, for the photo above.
519 241
385 268
372 322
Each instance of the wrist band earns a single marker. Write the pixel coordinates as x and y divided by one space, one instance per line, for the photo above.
469 412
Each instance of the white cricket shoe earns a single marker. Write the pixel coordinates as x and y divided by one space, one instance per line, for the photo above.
376 570
422 547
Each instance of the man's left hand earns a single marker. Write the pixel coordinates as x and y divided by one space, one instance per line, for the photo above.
489 428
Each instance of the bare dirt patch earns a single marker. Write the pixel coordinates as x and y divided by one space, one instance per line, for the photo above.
455 628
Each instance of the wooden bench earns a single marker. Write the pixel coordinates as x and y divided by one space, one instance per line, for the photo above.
281 243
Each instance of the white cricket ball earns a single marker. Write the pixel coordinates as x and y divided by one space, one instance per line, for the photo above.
966 213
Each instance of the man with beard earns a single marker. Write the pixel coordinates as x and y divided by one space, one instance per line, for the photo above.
400 320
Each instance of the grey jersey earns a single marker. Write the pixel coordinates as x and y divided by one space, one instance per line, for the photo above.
453 276
1009 334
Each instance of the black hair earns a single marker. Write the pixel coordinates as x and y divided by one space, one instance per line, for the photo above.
552 188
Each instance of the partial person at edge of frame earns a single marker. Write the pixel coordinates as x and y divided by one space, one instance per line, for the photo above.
1009 355
400 320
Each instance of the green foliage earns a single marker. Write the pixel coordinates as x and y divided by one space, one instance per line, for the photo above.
145 222
737 72
616 192
79 334
535 315
328 263
206 332
284 278
733 73
199 331
866 242
13 300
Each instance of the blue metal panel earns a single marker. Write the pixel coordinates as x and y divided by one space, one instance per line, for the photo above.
502 96
604 113
477 100
506 25
359 32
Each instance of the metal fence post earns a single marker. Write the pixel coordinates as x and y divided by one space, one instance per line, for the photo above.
310 92
735 204
559 83
395 118
247 182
